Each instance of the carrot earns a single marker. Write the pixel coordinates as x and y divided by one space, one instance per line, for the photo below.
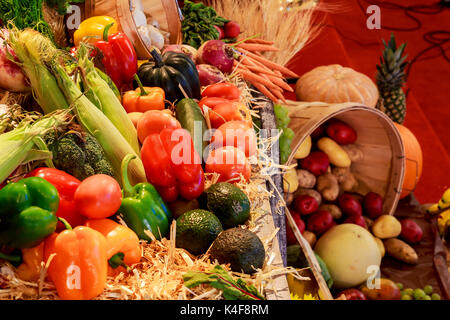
279 95
250 76
257 47
252 62
279 82
269 63
265 91
258 69
260 41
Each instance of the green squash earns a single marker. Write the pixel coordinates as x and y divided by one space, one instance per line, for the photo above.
169 72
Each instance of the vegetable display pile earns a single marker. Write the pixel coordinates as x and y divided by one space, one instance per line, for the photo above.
146 176
116 158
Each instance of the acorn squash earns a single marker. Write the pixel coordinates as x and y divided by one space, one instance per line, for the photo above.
169 72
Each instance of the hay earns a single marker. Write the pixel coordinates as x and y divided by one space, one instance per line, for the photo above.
272 20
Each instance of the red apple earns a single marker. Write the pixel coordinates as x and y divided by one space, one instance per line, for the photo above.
349 205
373 205
305 204
316 162
318 133
221 32
352 294
359 220
411 231
290 237
319 222
341 132
232 30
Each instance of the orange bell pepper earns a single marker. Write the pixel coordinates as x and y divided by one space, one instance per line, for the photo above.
144 98
122 244
30 268
79 268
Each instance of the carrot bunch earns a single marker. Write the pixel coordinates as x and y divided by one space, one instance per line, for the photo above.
266 76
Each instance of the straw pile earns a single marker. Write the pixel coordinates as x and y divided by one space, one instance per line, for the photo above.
272 20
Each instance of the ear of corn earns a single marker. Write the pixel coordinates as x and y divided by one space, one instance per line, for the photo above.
97 124
33 50
110 104
17 146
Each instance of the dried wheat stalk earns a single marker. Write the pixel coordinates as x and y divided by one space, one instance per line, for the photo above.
272 20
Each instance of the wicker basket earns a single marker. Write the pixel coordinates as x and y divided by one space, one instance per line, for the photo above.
382 168
165 11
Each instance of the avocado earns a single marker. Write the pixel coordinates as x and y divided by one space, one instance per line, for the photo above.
229 203
241 248
196 230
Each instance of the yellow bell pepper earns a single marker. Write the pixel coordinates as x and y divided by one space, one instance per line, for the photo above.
91 30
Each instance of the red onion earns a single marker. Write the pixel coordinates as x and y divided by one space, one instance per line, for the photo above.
209 74
216 53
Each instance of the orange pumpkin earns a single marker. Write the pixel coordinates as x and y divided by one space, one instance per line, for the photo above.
413 161
336 84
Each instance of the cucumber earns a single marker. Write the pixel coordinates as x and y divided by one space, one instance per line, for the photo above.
190 116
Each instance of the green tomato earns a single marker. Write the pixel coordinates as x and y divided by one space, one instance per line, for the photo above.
418 294
406 297
400 285
425 297
435 296
428 289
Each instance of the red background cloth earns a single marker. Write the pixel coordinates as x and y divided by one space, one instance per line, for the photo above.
346 40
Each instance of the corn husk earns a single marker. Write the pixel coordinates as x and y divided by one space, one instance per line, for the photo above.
94 121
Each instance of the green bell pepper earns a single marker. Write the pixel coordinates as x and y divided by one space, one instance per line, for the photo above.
142 207
27 212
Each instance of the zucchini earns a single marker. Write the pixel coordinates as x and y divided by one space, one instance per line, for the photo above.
190 116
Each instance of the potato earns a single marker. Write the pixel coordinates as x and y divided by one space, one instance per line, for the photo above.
400 250
310 192
310 237
335 153
290 181
305 179
387 290
328 186
333 209
381 246
304 149
355 154
386 227
346 179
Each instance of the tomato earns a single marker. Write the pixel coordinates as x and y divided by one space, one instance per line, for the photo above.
230 163
98 196
212 102
154 121
236 134
224 90
230 111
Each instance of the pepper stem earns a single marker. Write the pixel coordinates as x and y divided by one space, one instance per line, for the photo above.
127 187
117 261
143 92
106 31
65 223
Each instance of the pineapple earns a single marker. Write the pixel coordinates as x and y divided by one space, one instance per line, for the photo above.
390 79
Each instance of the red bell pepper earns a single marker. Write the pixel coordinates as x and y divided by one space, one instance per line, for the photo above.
172 165
66 186
119 57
